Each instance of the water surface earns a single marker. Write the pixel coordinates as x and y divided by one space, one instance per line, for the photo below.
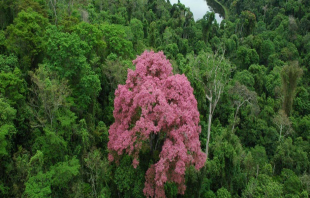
200 8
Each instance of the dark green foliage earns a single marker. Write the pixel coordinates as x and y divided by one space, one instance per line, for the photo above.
226 151
206 24
223 193
8 63
291 155
7 128
267 49
247 57
12 86
115 37
136 27
67 56
25 38
40 184
248 20
129 181
291 183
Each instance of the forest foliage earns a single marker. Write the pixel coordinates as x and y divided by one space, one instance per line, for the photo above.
241 86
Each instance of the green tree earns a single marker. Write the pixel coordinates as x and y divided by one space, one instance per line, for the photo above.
152 34
206 24
267 49
291 155
39 185
223 193
53 182
246 78
212 73
273 82
258 73
49 95
67 56
242 96
224 164
93 36
6 13
7 128
116 39
129 181
8 63
248 22
262 186
98 172
25 37
291 183
171 51
136 27
115 70
13 87
283 124
7 134
247 57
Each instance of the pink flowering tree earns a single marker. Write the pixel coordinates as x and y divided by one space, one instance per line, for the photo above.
156 111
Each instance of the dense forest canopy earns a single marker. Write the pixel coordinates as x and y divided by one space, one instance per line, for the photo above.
62 62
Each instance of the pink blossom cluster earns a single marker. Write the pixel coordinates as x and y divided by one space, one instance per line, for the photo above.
154 101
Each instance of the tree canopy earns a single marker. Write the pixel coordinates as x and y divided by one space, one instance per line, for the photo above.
156 112
106 98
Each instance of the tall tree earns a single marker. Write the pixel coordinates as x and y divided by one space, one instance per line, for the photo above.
283 123
248 22
157 111
67 56
242 96
7 128
49 94
25 38
290 75
206 24
212 72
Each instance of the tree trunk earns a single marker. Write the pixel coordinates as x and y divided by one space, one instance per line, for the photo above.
209 129
54 9
280 132
235 118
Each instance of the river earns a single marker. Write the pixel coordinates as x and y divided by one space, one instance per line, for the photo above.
201 7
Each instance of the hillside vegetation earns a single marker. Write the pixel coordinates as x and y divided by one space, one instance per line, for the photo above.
63 61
